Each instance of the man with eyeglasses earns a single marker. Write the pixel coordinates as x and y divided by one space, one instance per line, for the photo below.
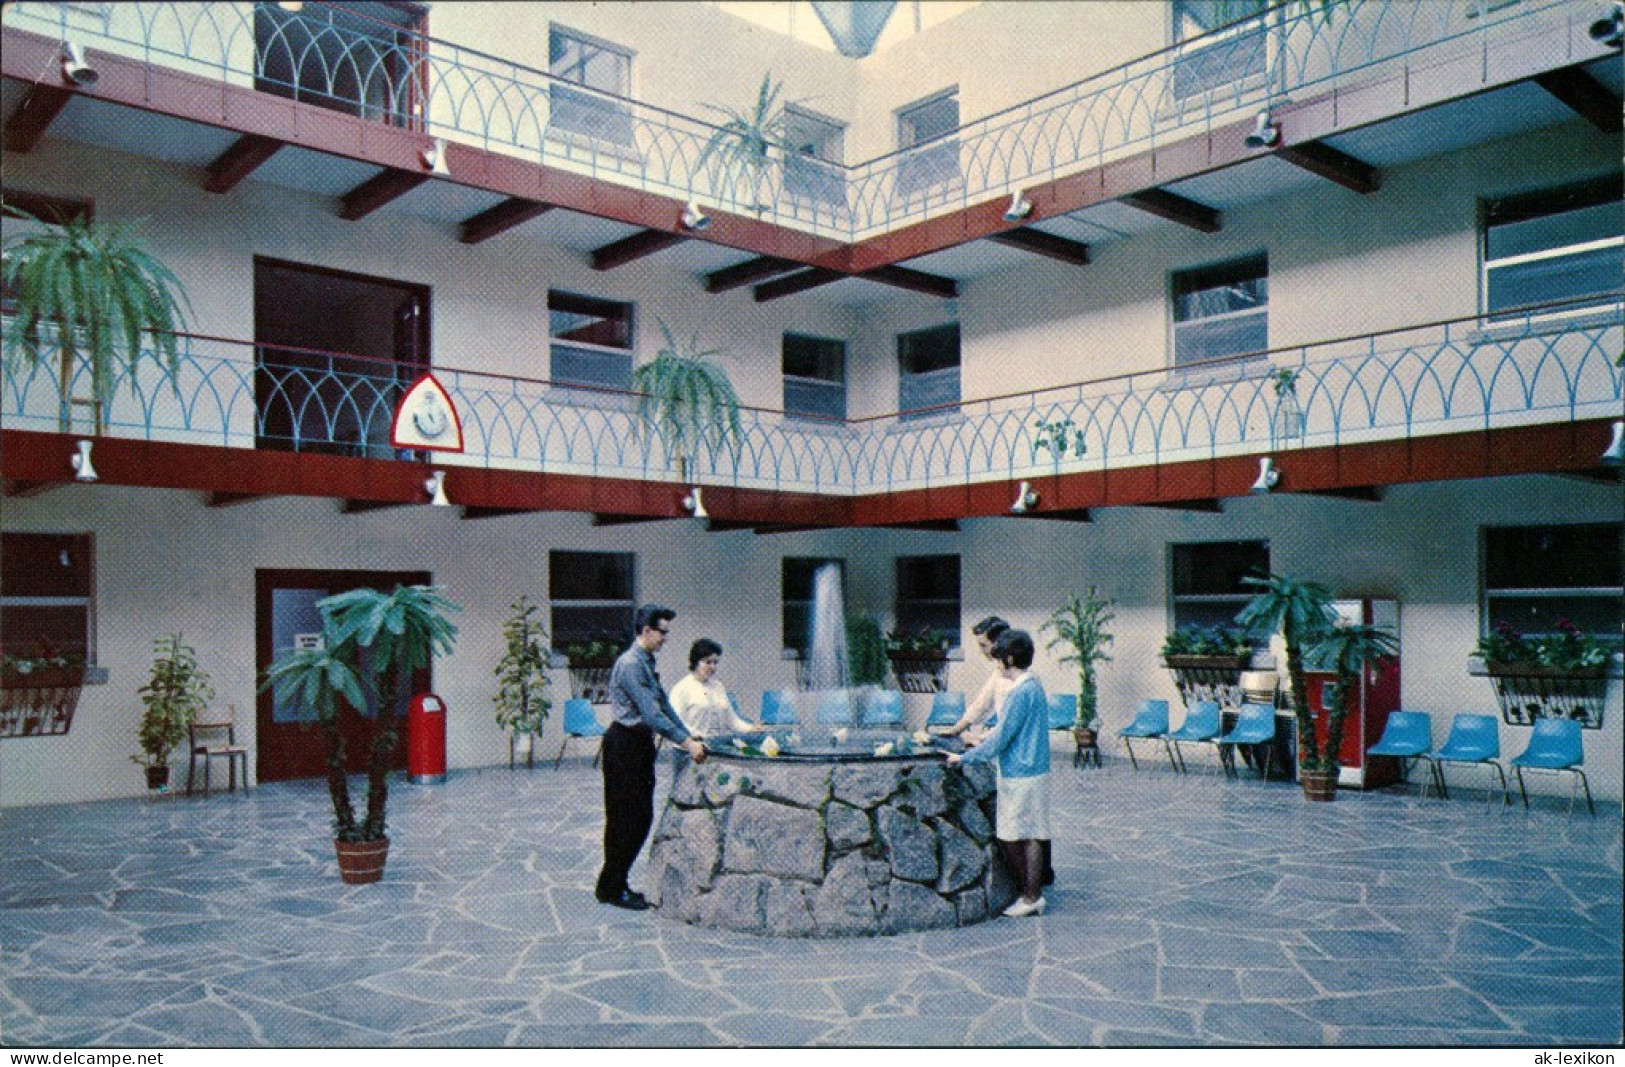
641 710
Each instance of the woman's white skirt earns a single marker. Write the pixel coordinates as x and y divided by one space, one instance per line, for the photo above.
1023 811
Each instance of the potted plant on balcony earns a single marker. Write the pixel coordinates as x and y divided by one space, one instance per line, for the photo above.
744 141
1286 422
521 699
1562 674
1079 626
687 401
84 290
371 644
176 692
919 660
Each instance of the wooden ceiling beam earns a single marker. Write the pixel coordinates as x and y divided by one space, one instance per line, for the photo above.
512 212
34 116
609 518
1205 504
380 189
1585 95
243 158
18 488
1176 208
1334 166
496 513
1042 243
917 281
640 244
1065 515
748 272
799 282
226 500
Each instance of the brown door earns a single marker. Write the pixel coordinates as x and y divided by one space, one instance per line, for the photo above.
289 743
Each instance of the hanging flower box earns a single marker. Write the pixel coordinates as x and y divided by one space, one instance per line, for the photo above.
917 673
39 702
1527 691
1215 678
1221 663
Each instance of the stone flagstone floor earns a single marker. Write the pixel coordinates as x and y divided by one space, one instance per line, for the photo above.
1190 911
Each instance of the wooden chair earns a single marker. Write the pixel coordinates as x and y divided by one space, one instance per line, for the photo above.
212 739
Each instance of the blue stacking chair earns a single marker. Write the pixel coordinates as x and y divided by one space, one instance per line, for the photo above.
885 708
579 721
1255 725
778 708
1473 739
835 708
1408 737
1554 745
1201 726
1063 709
1150 723
946 709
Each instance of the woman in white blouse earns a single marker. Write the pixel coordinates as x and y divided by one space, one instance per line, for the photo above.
701 701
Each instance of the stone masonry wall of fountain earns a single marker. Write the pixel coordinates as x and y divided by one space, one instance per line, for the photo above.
829 849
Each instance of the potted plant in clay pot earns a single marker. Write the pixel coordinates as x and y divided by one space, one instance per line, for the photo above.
1079 626
371 644
521 699
176 692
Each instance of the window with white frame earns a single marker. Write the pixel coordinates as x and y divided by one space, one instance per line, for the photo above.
47 606
1221 310
928 595
817 148
603 69
591 341
797 578
1228 45
1535 576
1205 579
934 164
814 377
928 372
593 597
1557 245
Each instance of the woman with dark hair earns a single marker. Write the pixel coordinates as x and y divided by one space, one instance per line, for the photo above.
992 694
700 700
1018 747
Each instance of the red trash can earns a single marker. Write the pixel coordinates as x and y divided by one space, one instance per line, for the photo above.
426 739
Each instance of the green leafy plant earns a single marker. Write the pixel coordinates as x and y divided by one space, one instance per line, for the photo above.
687 400
1057 436
865 650
521 699
746 138
1284 381
1301 612
1568 648
84 290
593 651
1345 650
925 642
371 644
1079 626
1207 641
175 693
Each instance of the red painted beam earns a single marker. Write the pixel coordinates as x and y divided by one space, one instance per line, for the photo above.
514 211
34 116
245 156
1327 162
640 244
378 190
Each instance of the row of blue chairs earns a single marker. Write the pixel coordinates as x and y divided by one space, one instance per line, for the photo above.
1554 745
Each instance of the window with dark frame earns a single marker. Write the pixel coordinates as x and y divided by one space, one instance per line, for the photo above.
928 595
812 169
1221 310
1231 45
593 596
594 64
1555 245
1205 578
591 341
797 574
935 162
814 377
47 597
928 372
1535 576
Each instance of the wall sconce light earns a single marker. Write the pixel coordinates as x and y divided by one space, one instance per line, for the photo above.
1020 207
1026 499
435 486
1615 453
434 157
83 471
74 67
694 217
1266 132
694 503
1610 29
1267 477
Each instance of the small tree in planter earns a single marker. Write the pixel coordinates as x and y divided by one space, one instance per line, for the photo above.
521 699
371 644
175 693
1079 626
1345 650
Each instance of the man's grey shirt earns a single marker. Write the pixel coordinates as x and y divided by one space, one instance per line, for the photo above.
636 697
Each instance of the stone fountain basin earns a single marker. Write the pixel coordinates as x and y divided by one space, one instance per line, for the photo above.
828 841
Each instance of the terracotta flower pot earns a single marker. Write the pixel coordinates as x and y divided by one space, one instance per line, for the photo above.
1318 785
361 862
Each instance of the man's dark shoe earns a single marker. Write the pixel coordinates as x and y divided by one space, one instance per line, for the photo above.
627 899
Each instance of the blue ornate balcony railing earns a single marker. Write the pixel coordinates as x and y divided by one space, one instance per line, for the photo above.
334 58
1546 365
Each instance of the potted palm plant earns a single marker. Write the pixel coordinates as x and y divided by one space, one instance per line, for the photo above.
371 644
744 141
521 700
1079 626
688 401
176 692
1345 650
83 290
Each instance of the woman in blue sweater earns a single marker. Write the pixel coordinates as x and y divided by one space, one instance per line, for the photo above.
1020 746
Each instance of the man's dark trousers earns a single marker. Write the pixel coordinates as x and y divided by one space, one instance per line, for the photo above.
629 797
